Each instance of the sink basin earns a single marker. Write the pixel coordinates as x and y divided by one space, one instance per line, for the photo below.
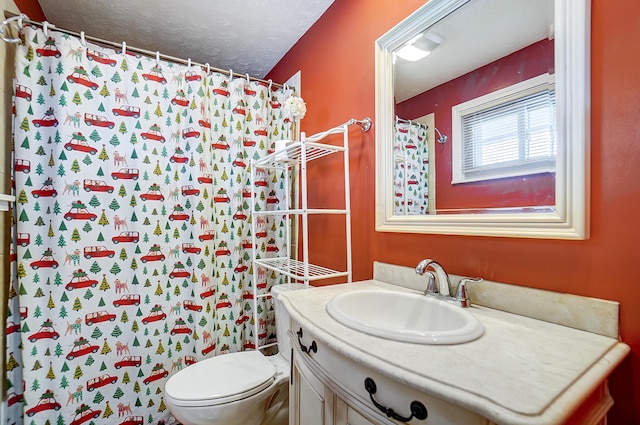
405 317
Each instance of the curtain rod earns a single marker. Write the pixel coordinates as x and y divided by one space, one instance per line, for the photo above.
402 120
8 14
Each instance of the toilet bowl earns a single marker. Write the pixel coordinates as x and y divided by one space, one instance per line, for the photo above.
243 388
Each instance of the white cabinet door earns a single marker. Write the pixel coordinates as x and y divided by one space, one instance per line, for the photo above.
347 415
311 403
308 404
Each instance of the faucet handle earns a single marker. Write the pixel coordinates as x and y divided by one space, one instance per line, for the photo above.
461 291
470 279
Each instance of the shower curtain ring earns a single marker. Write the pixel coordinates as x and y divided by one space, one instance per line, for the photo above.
124 48
270 83
188 62
83 41
158 59
45 28
5 24
230 74
208 68
248 79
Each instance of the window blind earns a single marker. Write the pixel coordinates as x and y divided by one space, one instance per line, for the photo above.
511 138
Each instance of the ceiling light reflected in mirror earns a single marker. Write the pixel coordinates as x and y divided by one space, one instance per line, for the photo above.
419 47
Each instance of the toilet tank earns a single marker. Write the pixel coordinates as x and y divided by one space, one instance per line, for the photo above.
282 316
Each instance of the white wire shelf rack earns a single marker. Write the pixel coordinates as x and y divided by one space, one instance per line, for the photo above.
293 159
293 154
298 270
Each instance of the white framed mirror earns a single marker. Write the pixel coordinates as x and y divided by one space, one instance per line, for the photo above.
541 193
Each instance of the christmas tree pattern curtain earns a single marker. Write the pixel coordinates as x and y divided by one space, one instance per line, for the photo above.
131 239
411 169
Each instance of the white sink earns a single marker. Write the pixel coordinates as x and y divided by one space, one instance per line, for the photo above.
405 317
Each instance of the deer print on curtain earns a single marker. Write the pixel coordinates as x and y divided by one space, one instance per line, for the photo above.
131 253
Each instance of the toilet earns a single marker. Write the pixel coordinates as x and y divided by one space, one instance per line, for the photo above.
243 388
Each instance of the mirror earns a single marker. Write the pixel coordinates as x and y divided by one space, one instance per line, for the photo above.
492 116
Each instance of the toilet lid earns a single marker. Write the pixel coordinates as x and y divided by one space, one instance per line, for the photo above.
221 379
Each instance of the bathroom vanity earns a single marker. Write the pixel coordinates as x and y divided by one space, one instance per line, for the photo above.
522 370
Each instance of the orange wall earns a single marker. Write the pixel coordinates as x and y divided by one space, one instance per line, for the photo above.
337 61
31 8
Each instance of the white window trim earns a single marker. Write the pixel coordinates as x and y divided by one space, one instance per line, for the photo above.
508 94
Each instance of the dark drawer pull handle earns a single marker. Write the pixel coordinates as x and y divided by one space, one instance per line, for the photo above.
418 410
312 348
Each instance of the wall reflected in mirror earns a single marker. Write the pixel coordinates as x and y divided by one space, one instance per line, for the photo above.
482 77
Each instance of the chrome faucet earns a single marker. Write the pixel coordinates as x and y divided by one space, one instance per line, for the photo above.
439 285
442 282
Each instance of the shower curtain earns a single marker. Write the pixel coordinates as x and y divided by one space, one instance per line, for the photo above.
132 252
411 169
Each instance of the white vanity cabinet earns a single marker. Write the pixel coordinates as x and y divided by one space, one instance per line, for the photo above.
329 389
522 371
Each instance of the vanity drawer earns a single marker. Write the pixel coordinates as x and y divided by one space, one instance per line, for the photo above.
376 396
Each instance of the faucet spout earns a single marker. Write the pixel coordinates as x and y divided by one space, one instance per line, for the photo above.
443 283
422 266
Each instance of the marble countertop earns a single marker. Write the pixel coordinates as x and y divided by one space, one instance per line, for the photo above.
521 371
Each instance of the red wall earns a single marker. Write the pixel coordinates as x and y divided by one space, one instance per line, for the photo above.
538 189
337 61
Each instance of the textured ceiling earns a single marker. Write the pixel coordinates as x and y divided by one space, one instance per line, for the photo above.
248 36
